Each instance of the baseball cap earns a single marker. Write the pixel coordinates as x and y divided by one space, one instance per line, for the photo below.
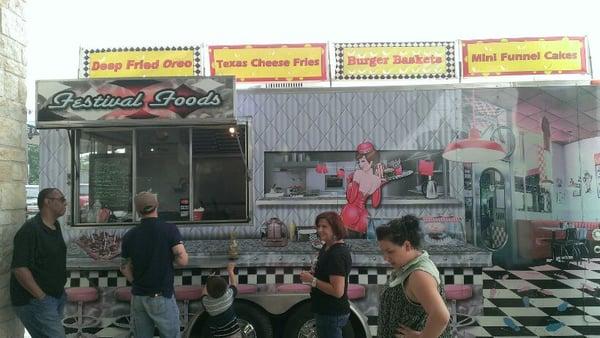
145 202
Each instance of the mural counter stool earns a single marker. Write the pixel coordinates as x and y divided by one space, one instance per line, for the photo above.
81 295
186 294
456 292
356 291
293 288
246 289
123 294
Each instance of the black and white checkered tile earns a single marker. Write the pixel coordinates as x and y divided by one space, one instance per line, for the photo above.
549 300
359 275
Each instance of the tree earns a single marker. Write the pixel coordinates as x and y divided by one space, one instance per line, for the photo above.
33 164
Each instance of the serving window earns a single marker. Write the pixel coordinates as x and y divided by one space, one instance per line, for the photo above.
198 173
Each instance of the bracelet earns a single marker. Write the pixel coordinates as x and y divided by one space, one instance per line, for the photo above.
313 282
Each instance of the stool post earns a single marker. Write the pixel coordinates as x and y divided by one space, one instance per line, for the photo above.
80 317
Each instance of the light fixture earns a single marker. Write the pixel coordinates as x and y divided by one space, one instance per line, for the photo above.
233 132
473 149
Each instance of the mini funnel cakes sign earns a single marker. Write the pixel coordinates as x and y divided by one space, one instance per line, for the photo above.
159 101
526 56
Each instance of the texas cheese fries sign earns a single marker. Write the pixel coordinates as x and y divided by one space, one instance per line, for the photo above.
527 56
260 63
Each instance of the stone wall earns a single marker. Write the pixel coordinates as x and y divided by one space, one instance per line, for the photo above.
13 163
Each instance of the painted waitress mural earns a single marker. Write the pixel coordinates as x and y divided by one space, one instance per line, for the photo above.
363 183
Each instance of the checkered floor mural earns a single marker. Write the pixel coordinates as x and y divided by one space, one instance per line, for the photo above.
549 300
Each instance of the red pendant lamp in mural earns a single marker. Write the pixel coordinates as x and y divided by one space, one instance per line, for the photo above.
473 149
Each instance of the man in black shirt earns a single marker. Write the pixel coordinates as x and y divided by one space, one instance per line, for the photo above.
39 268
149 252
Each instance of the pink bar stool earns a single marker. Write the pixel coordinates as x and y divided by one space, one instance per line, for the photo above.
245 289
456 292
293 288
356 291
81 295
123 294
186 294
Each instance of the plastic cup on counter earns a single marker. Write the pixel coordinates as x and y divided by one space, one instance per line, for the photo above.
198 214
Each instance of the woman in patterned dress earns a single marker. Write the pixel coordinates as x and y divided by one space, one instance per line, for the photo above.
412 304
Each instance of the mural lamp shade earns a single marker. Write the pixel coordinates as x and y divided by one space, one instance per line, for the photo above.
474 149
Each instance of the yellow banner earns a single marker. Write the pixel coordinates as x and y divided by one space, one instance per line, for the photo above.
394 60
543 56
270 62
141 63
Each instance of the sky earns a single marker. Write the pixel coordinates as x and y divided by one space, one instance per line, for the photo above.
57 29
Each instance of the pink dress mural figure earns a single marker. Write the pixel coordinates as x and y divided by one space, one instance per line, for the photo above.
362 184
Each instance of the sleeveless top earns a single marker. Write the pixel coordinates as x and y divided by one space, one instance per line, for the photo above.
395 308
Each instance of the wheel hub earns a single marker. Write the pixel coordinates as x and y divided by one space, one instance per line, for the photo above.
308 330
247 329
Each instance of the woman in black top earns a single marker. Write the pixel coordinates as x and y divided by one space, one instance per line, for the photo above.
329 294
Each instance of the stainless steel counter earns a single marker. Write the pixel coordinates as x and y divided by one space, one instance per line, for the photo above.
341 200
365 253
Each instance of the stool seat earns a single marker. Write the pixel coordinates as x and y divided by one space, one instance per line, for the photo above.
123 294
356 291
80 321
244 289
458 291
188 292
293 288
81 294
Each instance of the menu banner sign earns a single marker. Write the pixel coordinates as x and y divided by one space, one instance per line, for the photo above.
134 102
266 63
525 56
395 60
141 62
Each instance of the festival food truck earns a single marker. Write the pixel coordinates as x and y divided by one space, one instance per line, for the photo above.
244 157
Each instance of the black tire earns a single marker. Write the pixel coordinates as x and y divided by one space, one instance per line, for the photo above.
300 317
246 313
256 317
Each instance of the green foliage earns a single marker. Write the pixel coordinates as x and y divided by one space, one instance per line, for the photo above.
33 163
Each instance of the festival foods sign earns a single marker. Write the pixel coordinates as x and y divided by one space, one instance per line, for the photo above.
266 63
395 60
527 56
135 102
141 62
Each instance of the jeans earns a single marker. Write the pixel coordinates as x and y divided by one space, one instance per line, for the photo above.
43 318
148 312
330 326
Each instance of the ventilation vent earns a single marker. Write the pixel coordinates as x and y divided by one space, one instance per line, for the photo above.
284 85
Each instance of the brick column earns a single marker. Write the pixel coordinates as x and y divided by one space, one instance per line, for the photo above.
13 162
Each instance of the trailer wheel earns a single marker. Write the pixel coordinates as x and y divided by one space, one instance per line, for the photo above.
253 322
301 324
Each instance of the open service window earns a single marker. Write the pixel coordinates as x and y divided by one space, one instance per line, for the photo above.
221 178
199 174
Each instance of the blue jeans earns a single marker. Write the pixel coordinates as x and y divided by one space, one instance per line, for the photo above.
43 318
148 312
330 326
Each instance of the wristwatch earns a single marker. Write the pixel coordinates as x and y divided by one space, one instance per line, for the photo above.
313 282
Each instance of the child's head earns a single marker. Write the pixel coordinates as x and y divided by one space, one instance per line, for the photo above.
216 286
